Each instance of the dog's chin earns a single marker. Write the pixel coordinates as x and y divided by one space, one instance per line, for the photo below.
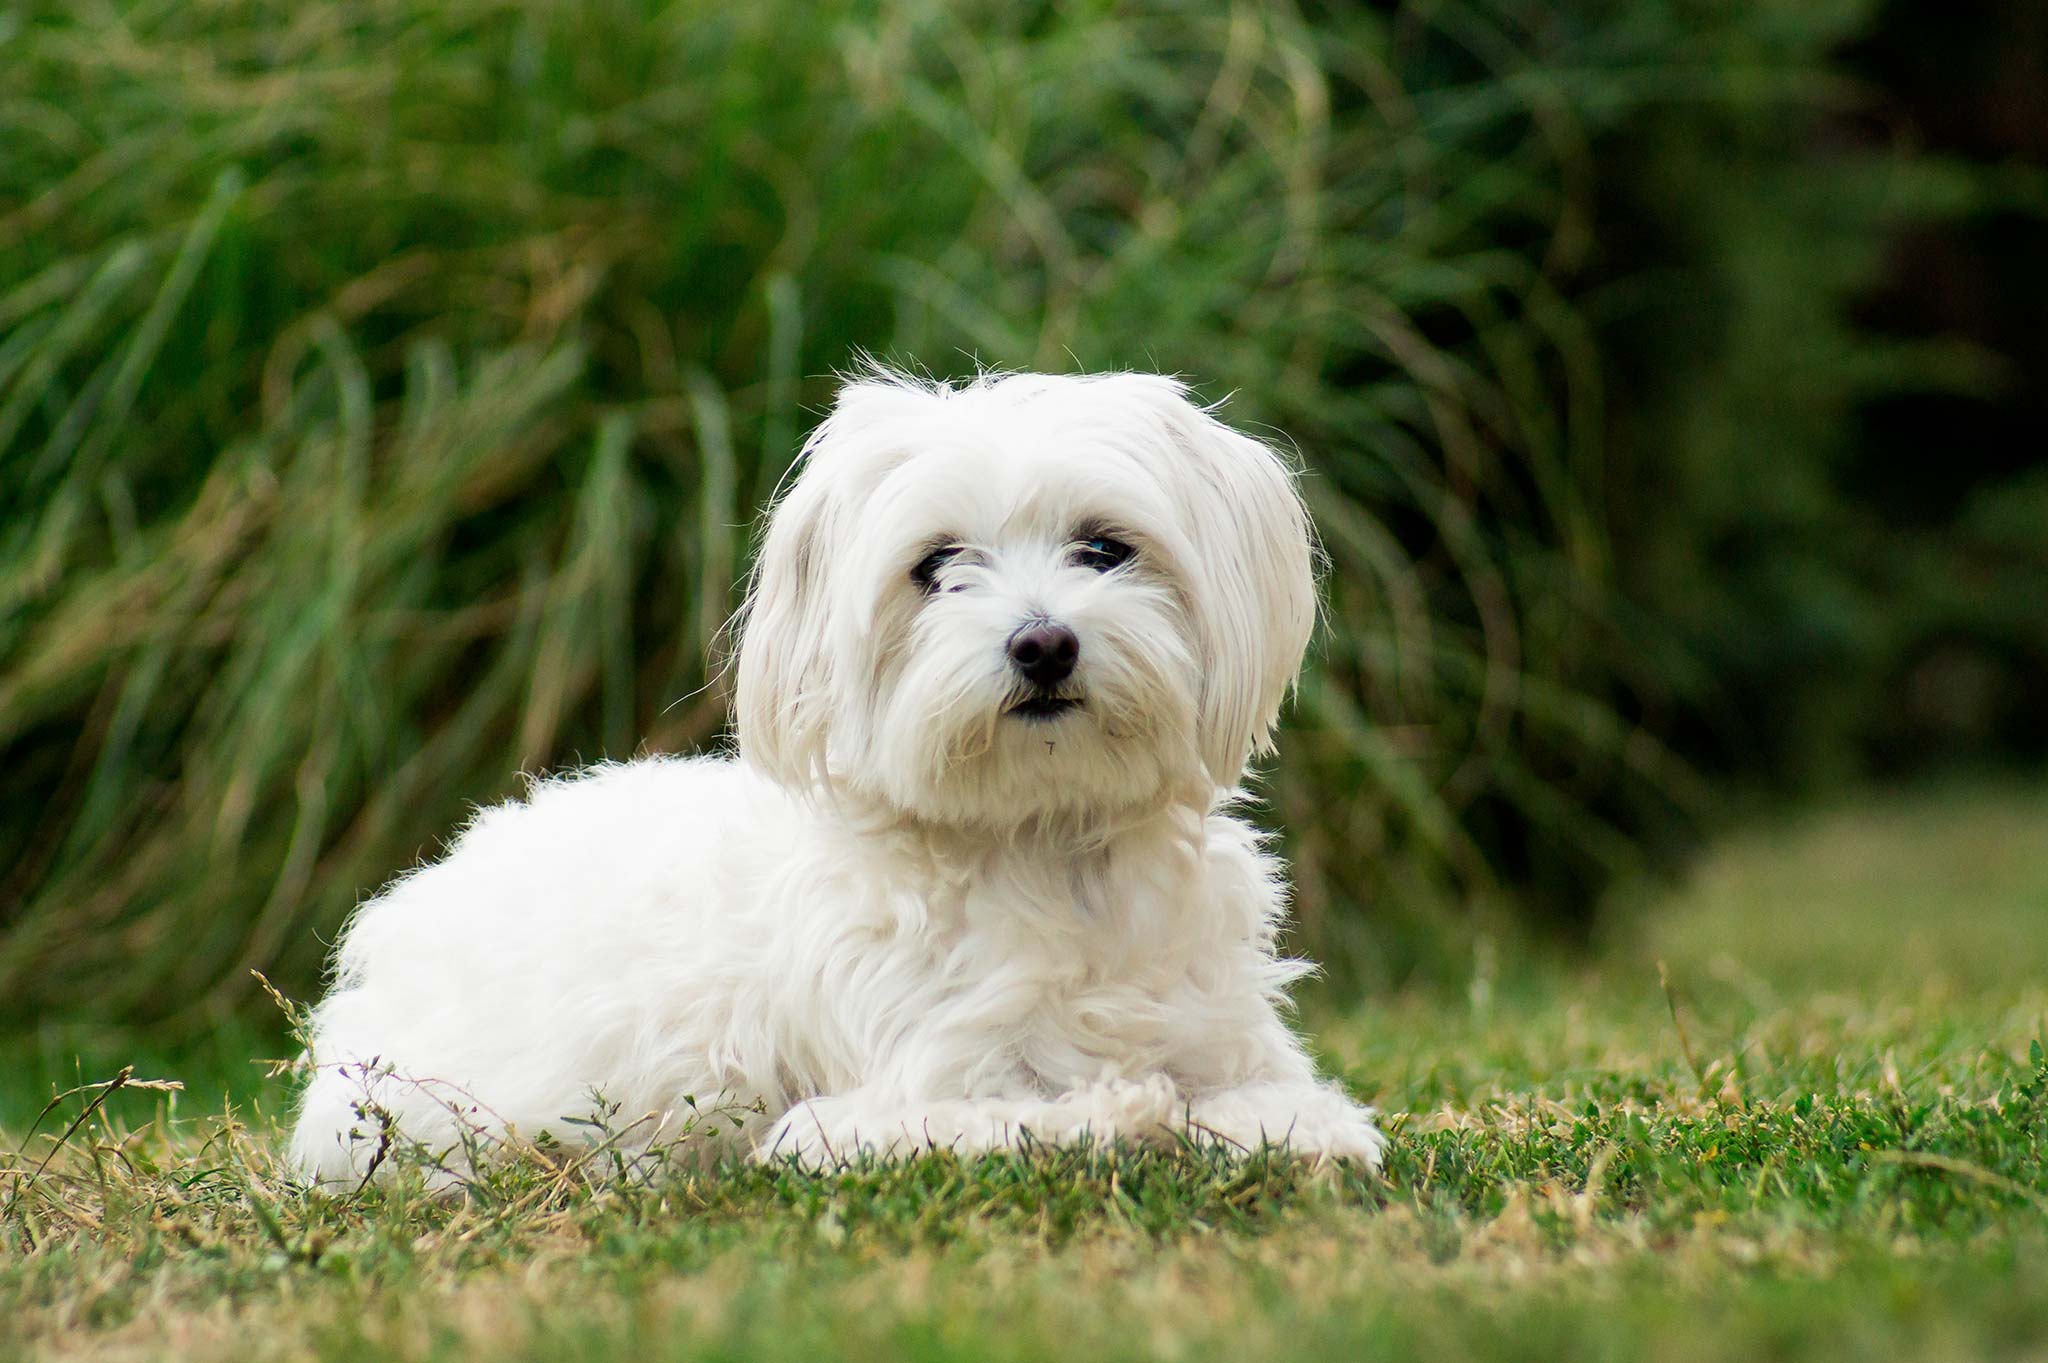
1040 761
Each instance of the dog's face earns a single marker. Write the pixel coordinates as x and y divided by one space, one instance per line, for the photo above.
1034 599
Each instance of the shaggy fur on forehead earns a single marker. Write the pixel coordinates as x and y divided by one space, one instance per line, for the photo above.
973 877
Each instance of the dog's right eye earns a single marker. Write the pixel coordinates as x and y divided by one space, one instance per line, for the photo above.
926 573
1103 553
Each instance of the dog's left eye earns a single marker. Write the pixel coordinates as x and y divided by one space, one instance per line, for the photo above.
1102 553
926 573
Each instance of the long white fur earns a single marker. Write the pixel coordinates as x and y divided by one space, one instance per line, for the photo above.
901 917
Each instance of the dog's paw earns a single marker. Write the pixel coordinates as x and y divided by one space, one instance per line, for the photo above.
1315 1123
811 1136
1353 1139
1137 1109
827 1133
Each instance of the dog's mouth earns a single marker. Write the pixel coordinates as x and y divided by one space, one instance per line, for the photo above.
1044 707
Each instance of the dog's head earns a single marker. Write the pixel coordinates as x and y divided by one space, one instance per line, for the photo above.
1028 598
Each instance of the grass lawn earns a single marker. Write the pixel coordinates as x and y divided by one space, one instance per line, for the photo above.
1824 1138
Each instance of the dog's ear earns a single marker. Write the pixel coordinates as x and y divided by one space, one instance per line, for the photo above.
1252 571
784 696
797 641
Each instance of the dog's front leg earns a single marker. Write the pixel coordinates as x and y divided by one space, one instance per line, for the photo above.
827 1131
1313 1120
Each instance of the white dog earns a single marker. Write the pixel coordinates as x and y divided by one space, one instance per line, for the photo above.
972 880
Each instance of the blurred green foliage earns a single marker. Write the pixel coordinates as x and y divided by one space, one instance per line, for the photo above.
387 391
1829 387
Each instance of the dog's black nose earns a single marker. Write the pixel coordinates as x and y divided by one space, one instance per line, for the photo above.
1045 652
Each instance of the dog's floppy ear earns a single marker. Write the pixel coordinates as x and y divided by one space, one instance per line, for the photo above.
784 696
796 644
1253 580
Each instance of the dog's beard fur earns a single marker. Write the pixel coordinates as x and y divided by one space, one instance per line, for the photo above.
911 912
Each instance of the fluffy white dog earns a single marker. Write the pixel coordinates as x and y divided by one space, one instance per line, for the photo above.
973 878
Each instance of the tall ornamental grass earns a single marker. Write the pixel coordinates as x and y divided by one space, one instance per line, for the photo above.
388 391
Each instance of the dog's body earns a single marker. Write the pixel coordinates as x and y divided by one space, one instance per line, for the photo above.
973 878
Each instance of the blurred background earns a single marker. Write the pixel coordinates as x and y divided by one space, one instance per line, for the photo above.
388 391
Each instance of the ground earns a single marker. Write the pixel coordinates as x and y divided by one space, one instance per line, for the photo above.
1797 1108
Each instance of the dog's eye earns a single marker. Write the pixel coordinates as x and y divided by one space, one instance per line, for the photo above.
1102 553
926 573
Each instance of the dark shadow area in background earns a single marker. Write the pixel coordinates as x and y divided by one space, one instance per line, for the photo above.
1833 431
1972 80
